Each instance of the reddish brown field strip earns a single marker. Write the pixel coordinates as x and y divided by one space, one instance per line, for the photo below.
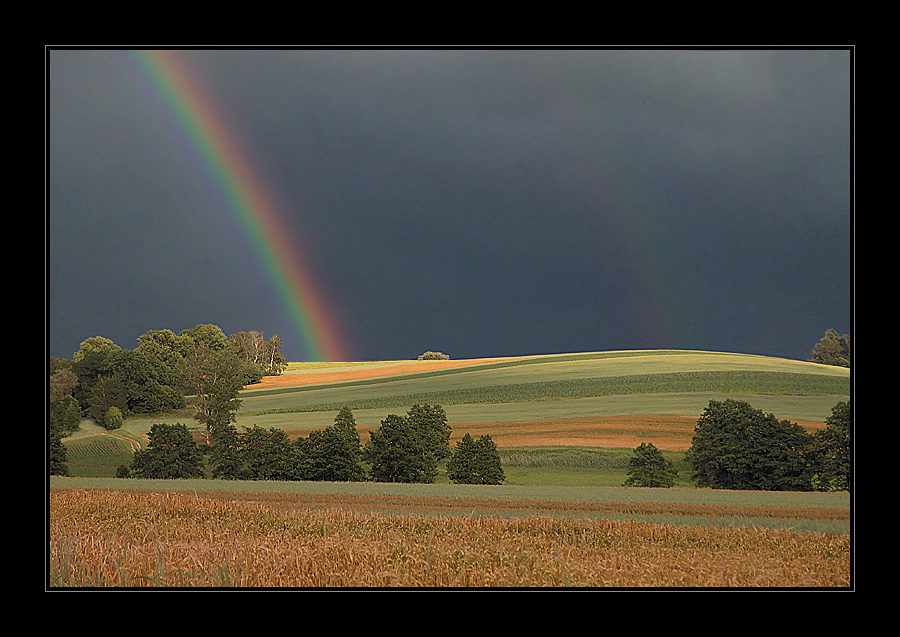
320 378
669 432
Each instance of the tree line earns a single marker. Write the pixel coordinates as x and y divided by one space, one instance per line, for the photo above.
736 446
404 448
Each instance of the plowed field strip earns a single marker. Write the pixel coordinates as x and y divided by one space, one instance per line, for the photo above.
320 378
414 504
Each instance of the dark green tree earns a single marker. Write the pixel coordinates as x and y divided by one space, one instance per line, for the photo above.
107 393
738 447
57 456
333 454
475 462
172 453
329 455
833 349
268 454
832 450
65 414
397 452
650 468
225 454
430 423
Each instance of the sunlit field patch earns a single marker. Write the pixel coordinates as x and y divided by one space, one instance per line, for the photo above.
102 538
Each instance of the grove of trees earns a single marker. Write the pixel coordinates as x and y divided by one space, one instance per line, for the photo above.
403 449
738 447
109 384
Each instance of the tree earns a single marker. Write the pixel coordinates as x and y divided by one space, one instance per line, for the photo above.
650 468
264 356
213 377
475 462
57 454
397 452
62 382
833 452
107 392
738 447
172 453
434 356
833 349
65 414
268 454
333 454
225 455
95 345
430 423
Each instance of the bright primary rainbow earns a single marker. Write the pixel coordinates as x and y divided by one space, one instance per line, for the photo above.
249 197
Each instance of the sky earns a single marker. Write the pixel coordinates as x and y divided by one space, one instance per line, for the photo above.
375 204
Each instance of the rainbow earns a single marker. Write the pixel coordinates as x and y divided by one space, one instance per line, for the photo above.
250 199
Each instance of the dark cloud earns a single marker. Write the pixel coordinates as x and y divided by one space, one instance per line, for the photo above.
476 202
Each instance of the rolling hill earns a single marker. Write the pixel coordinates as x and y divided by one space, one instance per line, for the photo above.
606 399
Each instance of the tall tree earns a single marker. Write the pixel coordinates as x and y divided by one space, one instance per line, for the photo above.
430 423
213 378
397 452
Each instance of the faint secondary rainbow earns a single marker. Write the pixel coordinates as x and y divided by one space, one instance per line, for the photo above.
249 197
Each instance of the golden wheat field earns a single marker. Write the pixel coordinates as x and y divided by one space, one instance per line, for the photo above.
108 538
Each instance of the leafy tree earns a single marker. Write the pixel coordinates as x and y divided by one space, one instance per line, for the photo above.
144 381
333 454
397 452
65 415
833 452
475 462
408 448
833 349
329 455
107 392
172 453
345 423
205 336
113 418
57 455
650 468
62 382
738 447
213 378
430 423
268 455
95 345
226 454
165 345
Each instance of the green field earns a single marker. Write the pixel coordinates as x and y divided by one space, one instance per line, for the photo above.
523 389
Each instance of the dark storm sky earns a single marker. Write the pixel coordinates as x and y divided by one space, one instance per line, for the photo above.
476 202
